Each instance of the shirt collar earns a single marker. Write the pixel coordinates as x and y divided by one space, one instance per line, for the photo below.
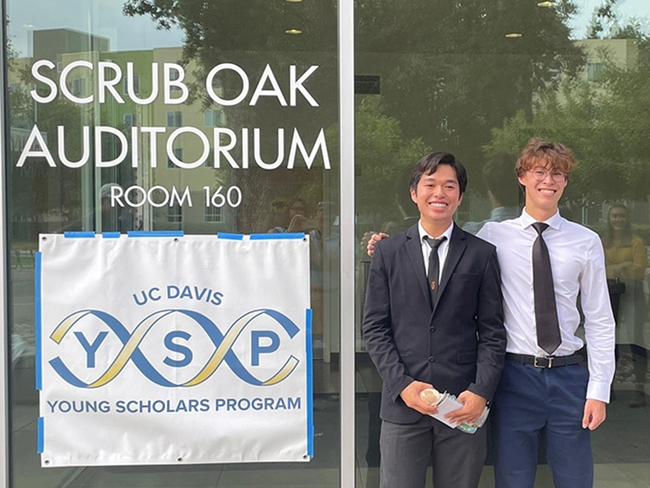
446 233
554 222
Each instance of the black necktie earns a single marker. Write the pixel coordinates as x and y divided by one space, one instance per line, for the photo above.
548 328
434 267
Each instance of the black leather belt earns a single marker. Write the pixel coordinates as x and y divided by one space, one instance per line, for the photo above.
549 362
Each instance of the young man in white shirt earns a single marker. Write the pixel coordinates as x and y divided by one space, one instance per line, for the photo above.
543 387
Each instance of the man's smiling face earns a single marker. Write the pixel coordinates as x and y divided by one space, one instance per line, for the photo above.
544 186
438 196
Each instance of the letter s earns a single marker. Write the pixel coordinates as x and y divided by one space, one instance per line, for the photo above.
43 79
177 348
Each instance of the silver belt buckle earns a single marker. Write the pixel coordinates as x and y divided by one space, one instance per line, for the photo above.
537 364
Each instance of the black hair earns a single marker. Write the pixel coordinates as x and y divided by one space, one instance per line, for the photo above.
500 177
429 164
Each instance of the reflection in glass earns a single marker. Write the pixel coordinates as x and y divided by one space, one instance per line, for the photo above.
627 262
448 78
158 175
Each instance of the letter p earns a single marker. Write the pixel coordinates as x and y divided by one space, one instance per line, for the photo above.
257 348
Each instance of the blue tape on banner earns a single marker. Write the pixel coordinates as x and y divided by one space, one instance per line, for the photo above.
156 233
232 237
111 235
277 235
40 429
79 235
38 316
310 386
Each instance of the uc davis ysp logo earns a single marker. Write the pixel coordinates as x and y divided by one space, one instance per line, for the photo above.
262 342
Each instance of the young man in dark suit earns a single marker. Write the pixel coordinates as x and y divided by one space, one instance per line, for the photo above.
434 318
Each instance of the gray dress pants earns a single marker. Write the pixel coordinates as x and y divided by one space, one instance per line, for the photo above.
407 450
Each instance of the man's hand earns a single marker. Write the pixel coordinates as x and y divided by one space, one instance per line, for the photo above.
595 414
296 223
374 239
411 396
365 238
474 406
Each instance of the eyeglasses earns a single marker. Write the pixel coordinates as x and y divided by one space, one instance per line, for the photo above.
539 174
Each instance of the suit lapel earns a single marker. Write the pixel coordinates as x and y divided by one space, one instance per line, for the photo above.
414 249
457 246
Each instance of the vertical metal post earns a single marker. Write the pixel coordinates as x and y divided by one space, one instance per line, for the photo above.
5 346
347 221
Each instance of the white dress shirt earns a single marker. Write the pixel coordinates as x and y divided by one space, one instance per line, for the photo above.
578 265
443 248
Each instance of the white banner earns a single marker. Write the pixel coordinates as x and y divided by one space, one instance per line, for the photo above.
173 349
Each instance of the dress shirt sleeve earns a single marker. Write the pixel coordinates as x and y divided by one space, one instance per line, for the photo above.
599 324
378 331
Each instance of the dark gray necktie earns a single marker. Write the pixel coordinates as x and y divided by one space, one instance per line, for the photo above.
548 328
433 274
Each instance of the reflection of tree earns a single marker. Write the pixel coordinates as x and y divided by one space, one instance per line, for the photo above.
448 73
606 125
218 27
384 158
453 73
21 107
251 34
38 188
39 192
606 23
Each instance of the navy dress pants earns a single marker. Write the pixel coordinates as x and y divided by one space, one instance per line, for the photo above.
530 401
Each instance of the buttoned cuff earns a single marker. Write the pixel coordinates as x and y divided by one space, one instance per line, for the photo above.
598 390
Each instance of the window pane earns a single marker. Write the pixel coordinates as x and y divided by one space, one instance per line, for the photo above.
479 79
268 163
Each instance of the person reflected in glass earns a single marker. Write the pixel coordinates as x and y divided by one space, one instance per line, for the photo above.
295 217
503 191
406 213
324 241
113 217
627 260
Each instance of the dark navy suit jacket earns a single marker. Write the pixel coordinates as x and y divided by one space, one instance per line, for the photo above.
458 344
